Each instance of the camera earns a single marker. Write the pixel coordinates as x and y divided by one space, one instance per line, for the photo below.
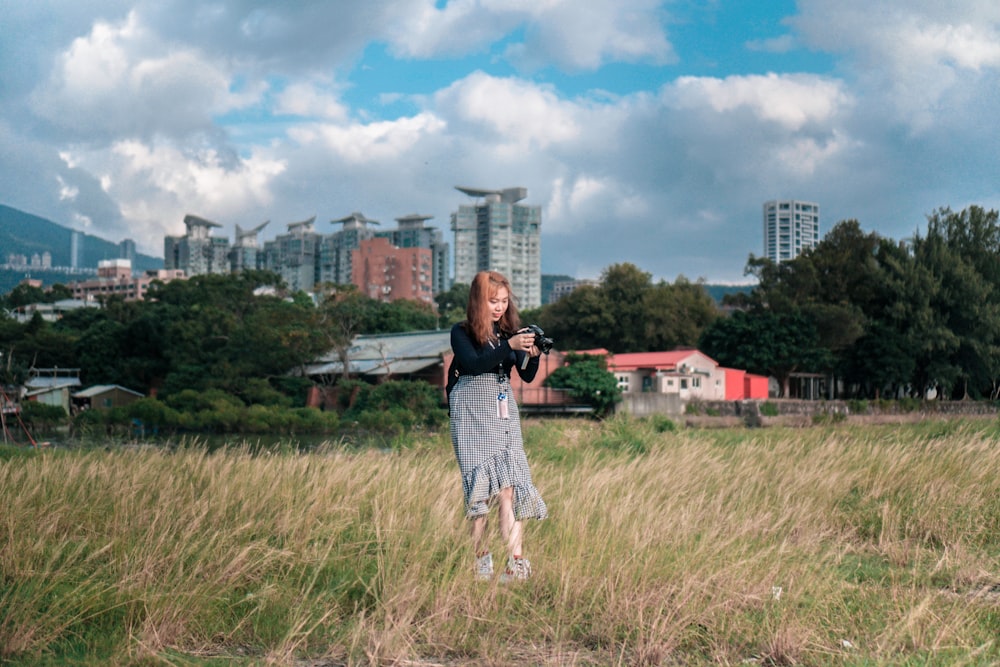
542 342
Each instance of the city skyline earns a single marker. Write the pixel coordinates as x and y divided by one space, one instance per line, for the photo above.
648 131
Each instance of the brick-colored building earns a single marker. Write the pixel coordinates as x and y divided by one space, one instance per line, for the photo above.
386 273
114 278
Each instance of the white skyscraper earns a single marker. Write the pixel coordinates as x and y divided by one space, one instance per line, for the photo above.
499 234
790 226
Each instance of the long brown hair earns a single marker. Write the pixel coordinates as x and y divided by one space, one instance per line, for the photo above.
479 324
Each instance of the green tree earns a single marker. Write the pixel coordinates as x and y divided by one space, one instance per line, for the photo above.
451 305
766 343
627 312
587 379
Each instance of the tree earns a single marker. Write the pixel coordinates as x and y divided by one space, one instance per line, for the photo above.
451 305
765 343
628 313
587 379
961 254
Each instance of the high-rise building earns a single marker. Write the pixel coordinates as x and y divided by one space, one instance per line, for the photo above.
387 273
76 249
496 233
335 253
246 252
293 255
197 252
790 227
412 233
127 250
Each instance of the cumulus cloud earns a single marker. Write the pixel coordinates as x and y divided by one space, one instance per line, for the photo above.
792 101
564 33
520 114
120 79
311 100
378 141
911 59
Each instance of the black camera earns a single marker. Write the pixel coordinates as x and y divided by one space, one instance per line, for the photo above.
542 342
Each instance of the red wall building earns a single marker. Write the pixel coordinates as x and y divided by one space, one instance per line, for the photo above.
386 273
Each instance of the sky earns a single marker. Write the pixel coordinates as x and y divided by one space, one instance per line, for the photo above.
649 132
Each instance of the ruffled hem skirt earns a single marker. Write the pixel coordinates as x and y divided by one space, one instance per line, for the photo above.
490 449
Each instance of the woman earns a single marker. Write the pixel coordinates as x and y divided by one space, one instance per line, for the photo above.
485 424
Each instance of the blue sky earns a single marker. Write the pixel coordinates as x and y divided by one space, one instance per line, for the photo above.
649 132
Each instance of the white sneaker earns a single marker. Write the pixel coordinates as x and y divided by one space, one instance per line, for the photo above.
518 569
484 567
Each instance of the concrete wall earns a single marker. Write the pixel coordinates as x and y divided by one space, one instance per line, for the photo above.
649 403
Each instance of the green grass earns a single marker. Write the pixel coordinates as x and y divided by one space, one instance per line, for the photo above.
833 545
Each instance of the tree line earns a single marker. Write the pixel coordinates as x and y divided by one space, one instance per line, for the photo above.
886 318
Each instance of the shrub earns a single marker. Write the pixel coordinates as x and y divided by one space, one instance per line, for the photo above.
661 423
151 412
190 400
41 415
858 406
768 409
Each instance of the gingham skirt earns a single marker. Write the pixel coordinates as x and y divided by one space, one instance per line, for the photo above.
490 450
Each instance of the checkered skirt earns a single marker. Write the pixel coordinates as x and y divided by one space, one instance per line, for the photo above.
490 450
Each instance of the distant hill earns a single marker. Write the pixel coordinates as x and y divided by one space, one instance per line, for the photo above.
719 291
26 234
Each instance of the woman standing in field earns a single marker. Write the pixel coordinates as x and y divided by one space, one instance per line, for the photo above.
485 423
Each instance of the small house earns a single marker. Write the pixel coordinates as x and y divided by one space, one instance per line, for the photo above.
104 397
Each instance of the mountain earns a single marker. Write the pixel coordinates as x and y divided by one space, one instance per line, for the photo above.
26 234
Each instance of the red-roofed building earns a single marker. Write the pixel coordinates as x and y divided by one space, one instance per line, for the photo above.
689 374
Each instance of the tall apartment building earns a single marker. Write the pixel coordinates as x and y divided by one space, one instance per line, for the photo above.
496 233
385 272
293 255
76 240
790 227
246 253
411 233
336 249
197 252
127 250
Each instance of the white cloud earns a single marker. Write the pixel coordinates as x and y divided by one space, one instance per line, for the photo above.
791 100
583 36
567 33
916 61
514 112
380 141
309 99
121 79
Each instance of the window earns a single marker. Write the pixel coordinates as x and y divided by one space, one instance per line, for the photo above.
684 383
623 382
696 382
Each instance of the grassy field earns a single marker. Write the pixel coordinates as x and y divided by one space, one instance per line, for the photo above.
833 545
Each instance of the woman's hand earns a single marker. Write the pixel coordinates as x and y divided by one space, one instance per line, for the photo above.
523 341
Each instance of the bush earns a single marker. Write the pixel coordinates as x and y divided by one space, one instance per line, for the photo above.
858 407
661 423
393 406
42 415
153 413
768 409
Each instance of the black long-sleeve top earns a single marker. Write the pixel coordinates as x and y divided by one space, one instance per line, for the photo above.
498 357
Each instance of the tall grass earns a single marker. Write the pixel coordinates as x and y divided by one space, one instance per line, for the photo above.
838 545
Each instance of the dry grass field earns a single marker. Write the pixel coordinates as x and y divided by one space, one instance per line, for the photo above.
843 544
